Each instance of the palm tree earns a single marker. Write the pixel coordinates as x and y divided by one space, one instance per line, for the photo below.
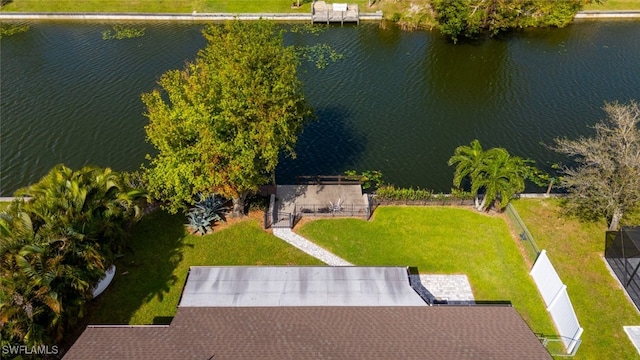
30 305
55 248
92 204
468 160
501 175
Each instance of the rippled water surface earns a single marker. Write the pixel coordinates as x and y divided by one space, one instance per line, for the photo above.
399 101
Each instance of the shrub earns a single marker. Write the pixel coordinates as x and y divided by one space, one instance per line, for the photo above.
391 193
206 212
120 32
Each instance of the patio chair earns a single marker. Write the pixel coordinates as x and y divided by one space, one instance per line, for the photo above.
337 207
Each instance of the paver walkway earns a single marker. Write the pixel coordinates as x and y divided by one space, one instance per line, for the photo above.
633 332
309 247
453 288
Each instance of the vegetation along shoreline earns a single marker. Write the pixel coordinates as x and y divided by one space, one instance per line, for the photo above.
367 16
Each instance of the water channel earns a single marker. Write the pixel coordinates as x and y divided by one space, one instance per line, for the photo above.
399 101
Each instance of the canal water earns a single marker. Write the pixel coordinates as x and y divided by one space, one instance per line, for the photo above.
399 102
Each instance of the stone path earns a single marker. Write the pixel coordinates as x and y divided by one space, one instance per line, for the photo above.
455 289
633 332
309 247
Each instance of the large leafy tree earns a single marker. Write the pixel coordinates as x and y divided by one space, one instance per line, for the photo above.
221 123
56 246
605 181
495 172
468 18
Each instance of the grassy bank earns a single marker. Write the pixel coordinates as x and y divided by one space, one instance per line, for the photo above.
410 11
615 5
440 240
174 6
576 250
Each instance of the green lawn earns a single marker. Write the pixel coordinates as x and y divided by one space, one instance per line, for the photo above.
164 6
576 250
440 240
159 260
615 5
235 6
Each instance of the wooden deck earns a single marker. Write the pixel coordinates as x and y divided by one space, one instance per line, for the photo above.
322 12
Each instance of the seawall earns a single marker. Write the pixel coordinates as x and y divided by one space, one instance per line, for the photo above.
193 17
607 14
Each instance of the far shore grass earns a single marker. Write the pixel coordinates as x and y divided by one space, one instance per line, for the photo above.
174 6
614 5
243 6
440 240
576 250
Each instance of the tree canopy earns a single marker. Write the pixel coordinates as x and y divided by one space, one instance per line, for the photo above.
605 181
468 18
221 123
494 171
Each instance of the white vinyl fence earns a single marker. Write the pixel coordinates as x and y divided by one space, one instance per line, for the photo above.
555 296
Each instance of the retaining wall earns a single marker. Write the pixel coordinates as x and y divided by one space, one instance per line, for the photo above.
607 14
195 17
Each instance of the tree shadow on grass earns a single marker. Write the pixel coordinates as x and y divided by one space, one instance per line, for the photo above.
145 273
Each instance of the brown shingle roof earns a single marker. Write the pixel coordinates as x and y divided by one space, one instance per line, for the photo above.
445 332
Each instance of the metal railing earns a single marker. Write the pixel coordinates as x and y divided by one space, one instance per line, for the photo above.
444 201
529 243
328 180
555 345
343 210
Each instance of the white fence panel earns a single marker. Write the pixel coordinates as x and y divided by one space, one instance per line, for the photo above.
555 296
545 276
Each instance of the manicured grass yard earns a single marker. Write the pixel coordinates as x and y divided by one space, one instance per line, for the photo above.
440 240
576 250
160 258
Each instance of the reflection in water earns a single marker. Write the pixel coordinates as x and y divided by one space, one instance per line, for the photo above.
399 101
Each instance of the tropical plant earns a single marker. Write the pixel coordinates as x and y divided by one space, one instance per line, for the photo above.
93 204
495 171
467 159
501 175
392 193
56 246
206 212
370 179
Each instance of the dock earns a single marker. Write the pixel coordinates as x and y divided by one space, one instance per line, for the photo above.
321 12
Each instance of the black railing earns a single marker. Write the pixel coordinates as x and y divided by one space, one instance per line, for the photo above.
278 219
444 201
328 180
332 210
